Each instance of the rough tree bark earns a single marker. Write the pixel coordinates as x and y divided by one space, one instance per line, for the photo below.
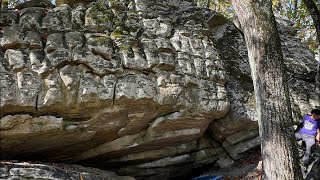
315 15
279 154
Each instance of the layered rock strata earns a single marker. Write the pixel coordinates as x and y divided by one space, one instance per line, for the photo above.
143 88
24 170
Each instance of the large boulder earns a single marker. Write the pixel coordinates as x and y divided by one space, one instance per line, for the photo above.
143 88
27 170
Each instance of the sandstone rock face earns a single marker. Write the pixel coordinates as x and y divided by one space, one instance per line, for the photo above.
11 170
132 86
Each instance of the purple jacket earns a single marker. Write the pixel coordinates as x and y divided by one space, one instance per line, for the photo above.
310 126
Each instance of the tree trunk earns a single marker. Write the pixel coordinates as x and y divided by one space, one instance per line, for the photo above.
315 15
279 153
295 9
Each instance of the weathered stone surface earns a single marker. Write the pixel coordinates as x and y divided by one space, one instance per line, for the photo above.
58 19
72 2
35 3
239 136
304 96
12 37
167 151
147 88
15 59
235 150
8 18
77 17
239 87
206 156
9 170
225 162
98 17
33 40
31 18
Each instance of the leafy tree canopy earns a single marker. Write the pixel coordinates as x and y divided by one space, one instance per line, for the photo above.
294 10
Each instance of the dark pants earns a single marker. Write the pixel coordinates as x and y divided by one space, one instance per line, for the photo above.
309 140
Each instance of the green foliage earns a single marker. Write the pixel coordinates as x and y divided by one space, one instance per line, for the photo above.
222 6
10 3
100 12
294 10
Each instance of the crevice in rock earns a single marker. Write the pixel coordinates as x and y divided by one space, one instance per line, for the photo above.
114 92
77 91
75 120
142 71
225 149
36 105
296 76
54 114
210 137
97 53
74 63
307 80
165 115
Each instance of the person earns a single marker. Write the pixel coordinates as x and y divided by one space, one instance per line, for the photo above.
310 129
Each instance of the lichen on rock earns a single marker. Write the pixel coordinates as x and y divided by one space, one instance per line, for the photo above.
139 87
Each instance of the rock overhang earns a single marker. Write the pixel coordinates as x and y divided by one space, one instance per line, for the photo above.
112 84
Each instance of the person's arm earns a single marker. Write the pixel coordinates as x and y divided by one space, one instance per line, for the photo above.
300 125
